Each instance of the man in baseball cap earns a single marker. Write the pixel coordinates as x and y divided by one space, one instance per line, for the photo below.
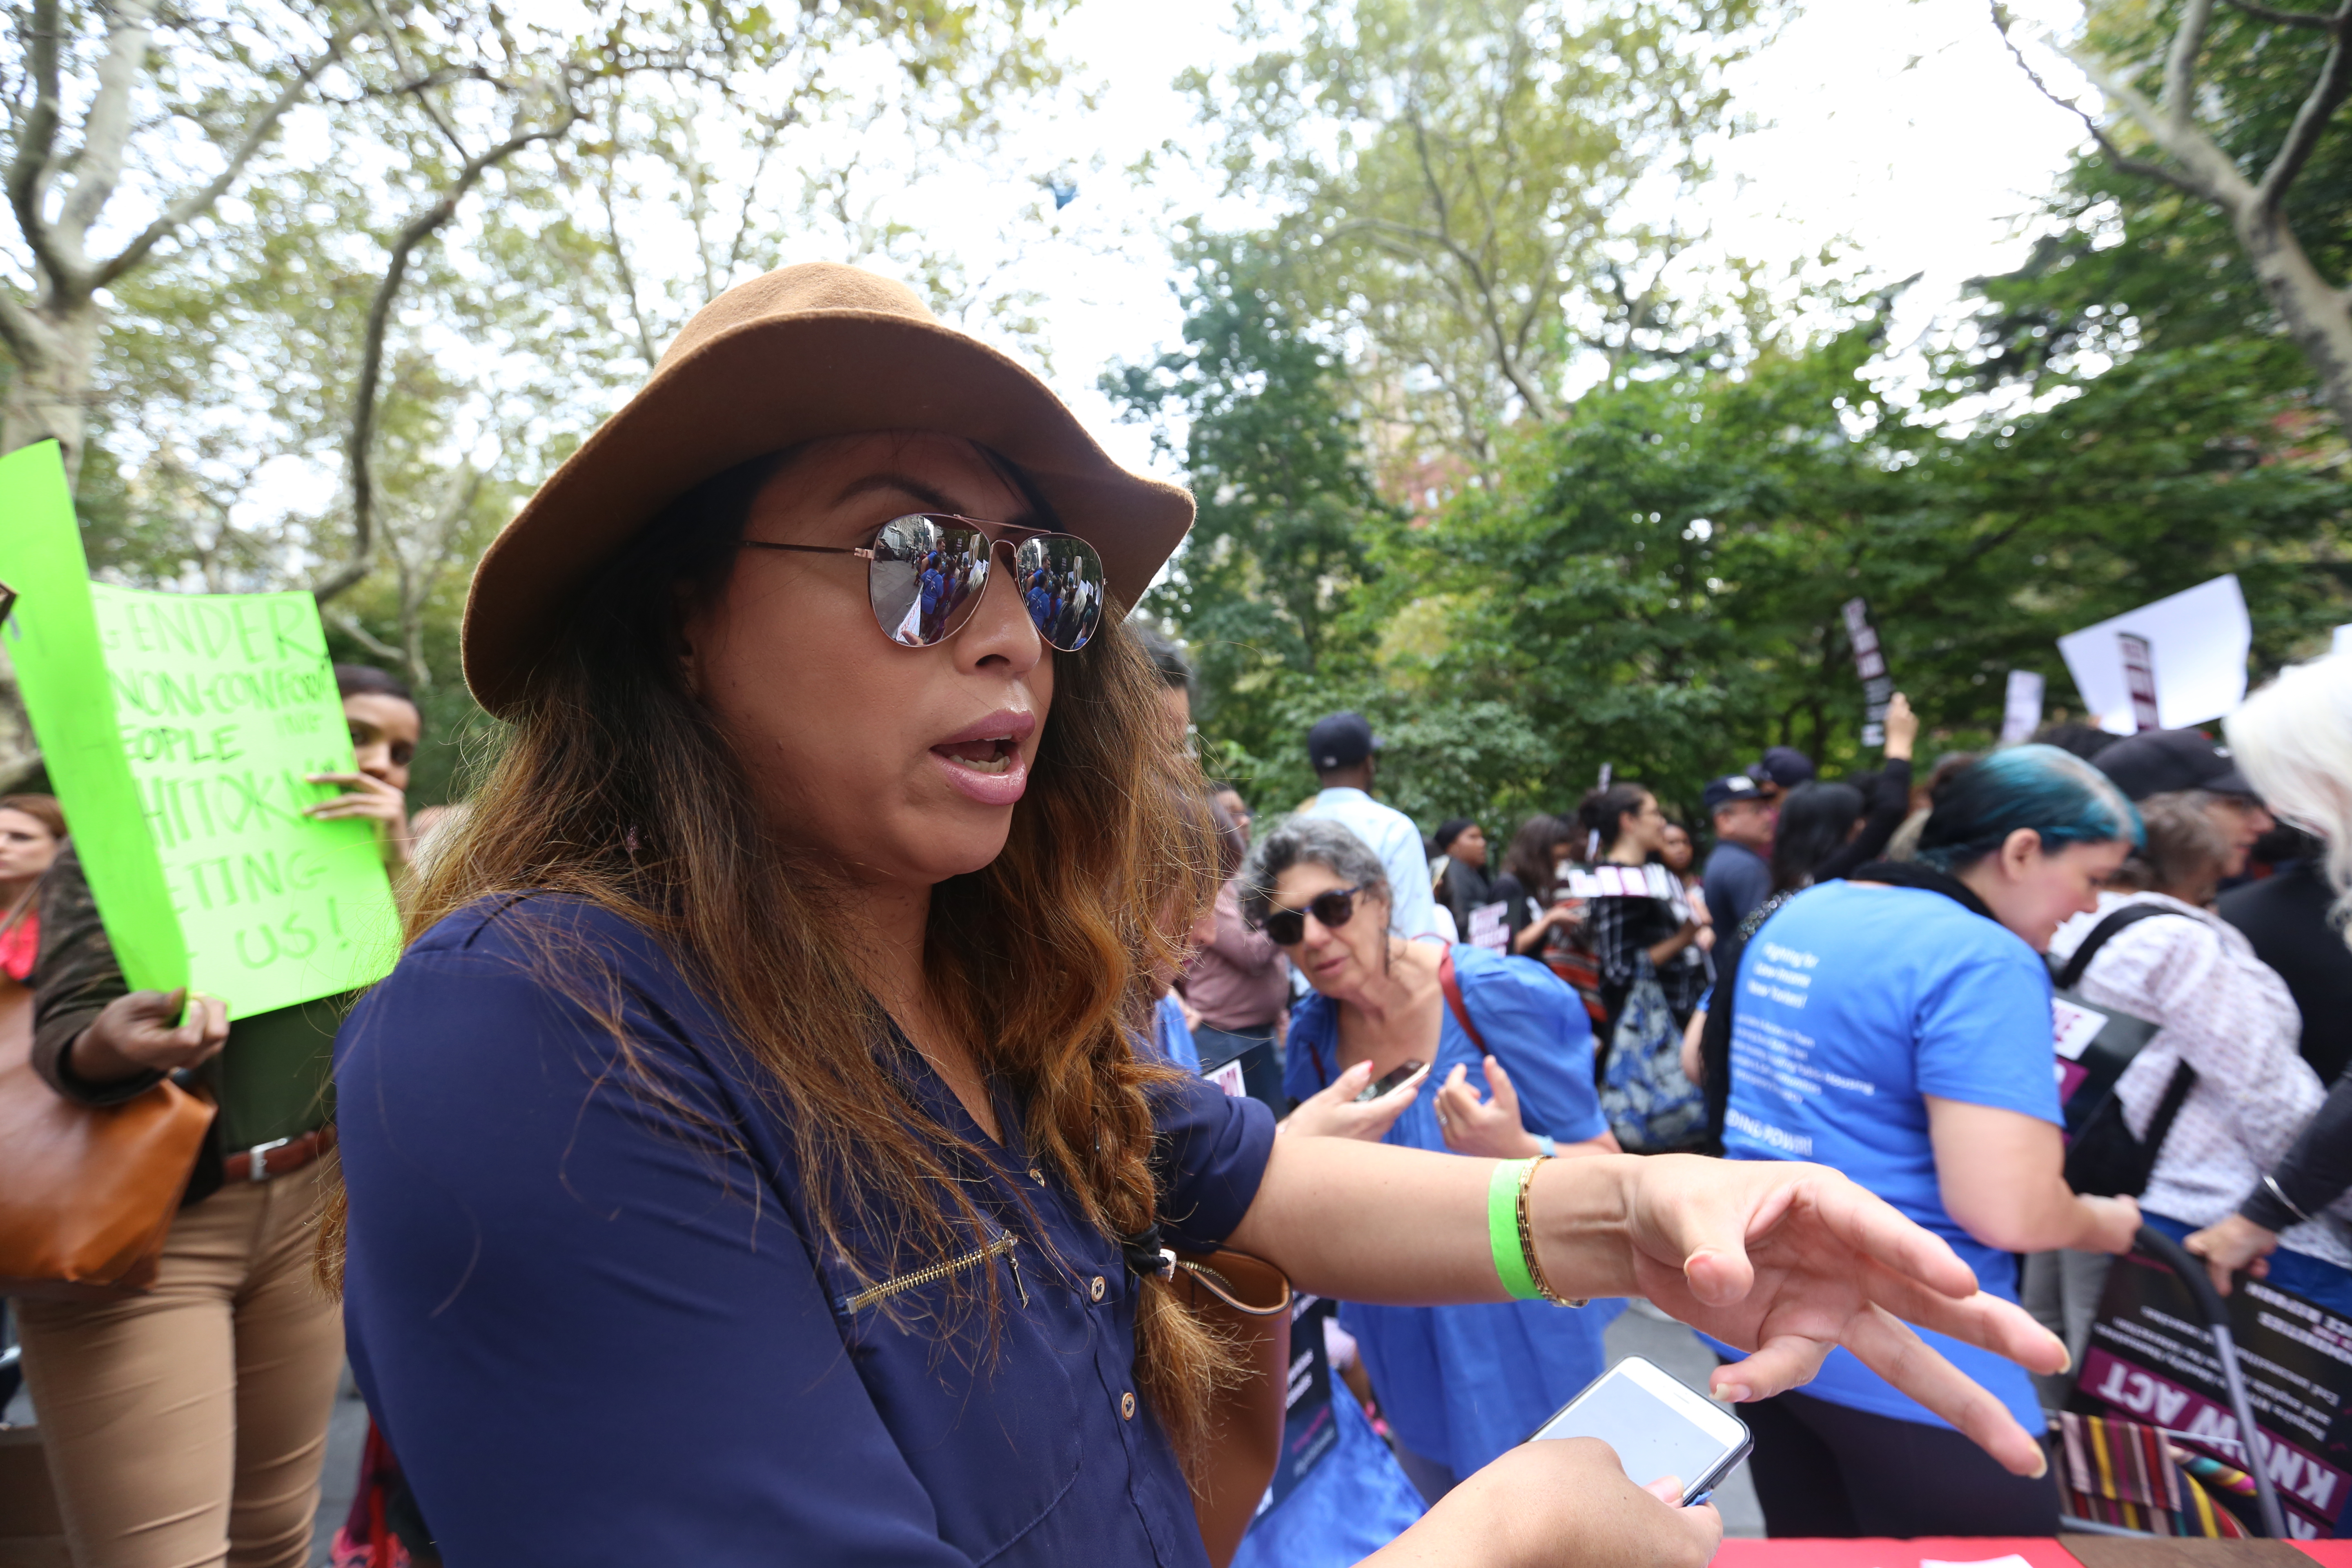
1341 749
1739 870
1780 769
2174 761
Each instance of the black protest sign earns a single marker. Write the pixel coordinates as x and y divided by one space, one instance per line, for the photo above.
1870 663
2151 1360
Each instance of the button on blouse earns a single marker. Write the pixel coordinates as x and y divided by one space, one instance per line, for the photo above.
585 1301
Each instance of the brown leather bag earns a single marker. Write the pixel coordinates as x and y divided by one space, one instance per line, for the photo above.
1249 1298
87 1192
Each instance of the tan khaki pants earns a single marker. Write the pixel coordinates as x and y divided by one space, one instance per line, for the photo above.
185 1427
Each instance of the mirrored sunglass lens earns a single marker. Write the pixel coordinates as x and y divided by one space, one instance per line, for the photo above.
922 572
1285 927
1060 583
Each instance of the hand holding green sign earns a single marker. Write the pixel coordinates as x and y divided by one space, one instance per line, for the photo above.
180 731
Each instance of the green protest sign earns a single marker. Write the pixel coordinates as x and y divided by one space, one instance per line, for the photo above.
178 729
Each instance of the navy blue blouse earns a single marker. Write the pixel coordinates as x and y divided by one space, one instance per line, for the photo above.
586 1311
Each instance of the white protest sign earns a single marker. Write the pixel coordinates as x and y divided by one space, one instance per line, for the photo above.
2022 711
2197 641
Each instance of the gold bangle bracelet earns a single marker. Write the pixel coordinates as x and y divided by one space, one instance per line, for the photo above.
1528 1242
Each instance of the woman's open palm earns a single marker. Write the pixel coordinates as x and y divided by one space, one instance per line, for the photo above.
1790 1260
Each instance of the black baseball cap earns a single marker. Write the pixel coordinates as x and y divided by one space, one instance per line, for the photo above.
1722 792
1783 765
2158 762
1341 740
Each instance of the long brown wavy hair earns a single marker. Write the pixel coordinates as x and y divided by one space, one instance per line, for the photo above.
615 786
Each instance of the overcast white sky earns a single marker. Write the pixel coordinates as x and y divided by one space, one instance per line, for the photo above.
1903 125
1900 126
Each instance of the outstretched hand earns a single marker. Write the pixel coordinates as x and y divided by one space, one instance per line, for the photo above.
1332 1112
1790 1261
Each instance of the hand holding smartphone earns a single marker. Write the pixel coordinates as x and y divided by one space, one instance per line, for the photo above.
1658 1428
1396 1079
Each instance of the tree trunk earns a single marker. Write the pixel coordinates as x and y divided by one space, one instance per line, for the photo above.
49 398
2316 316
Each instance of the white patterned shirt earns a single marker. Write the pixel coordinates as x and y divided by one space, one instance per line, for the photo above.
2229 1015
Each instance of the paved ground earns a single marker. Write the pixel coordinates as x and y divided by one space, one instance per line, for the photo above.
346 1433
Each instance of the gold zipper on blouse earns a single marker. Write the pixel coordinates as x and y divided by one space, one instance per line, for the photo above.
1002 1246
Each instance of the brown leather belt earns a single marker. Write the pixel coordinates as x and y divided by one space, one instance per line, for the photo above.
281 1157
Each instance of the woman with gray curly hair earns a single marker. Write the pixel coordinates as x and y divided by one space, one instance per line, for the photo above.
1459 1384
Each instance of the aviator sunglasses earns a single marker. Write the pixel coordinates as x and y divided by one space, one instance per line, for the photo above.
925 573
1335 907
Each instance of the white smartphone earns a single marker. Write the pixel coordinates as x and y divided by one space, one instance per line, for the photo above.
1658 1426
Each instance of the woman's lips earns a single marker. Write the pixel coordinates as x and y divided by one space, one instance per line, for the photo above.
983 760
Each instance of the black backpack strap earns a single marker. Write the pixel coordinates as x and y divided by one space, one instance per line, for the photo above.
2184 1079
2130 914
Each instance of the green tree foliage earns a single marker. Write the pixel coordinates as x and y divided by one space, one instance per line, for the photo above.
1456 181
1648 575
1275 451
443 208
2234 111
2135 264
1657 582
1654 581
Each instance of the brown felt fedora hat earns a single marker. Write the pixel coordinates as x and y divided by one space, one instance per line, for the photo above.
793 355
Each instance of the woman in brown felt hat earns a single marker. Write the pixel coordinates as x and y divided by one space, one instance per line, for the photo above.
748 1160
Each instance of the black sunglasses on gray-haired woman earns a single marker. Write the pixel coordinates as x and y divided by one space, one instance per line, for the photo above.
1335 907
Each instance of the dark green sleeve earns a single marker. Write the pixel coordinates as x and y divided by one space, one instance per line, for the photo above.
73 980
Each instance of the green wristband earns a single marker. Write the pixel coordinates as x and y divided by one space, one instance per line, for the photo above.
1503 1230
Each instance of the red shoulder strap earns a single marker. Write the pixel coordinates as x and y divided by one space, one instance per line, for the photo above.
1453 985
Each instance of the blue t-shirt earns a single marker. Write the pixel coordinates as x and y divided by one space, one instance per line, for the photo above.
1855 1003
1460 1386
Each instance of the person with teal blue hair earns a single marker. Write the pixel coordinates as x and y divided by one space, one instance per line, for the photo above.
1896 1026
2058 796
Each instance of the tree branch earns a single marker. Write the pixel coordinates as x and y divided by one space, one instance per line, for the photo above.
775 132
2311 120
106 124
628 277
349 625
2179 100
196 203
2318 20
21 332
361 440
1538 404
419 88
37 139
2115 154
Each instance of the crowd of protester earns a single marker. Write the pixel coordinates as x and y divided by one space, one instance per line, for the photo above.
1908 935
730 1080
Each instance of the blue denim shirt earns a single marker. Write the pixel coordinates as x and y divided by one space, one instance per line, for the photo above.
582 1302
